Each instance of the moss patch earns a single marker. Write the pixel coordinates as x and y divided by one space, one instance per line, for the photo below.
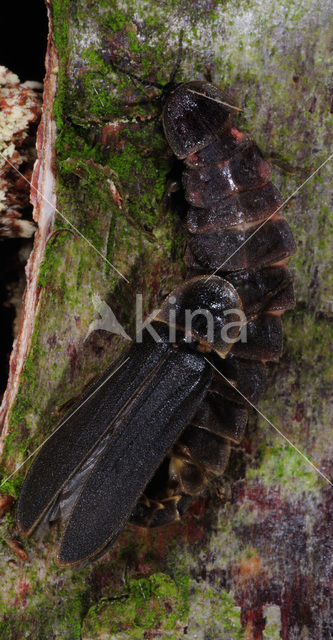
153 604
284 467
214 612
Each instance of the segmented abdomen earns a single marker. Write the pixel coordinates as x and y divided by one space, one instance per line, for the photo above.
234 229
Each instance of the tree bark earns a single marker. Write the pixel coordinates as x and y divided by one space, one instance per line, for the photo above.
252 559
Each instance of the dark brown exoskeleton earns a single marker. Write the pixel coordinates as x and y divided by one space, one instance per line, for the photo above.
159 424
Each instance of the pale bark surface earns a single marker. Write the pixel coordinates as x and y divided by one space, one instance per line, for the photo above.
253 559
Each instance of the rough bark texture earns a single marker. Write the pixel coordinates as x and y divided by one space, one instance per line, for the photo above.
253 559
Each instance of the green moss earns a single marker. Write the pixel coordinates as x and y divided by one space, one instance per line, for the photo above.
145 603
272 629
52 260
309 341
114 20
214 612
282 466
60 9
62 621
61 24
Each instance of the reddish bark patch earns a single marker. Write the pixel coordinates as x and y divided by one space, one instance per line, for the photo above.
6 503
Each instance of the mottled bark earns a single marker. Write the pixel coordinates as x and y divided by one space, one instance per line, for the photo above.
253 559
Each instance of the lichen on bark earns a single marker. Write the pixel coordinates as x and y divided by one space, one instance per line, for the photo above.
261 538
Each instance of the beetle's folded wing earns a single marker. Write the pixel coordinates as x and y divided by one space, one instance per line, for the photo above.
64 453
140 440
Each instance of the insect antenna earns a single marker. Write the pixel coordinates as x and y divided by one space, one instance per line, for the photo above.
146 83
178 60
164 88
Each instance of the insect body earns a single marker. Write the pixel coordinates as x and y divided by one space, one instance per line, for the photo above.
159 424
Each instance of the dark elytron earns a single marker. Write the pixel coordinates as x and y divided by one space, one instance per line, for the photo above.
159 424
